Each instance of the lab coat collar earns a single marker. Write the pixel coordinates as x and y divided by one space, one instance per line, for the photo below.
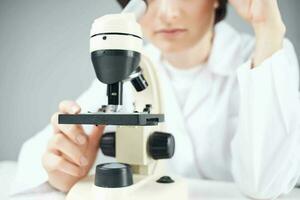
225 54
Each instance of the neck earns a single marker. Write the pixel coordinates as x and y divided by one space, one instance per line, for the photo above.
196 55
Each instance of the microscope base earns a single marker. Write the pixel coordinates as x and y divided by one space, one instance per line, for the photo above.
144 188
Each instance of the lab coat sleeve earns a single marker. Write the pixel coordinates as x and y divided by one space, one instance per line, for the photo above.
31 176
265 149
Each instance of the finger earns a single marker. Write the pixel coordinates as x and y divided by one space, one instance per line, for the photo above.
264 9
54 122
74 132
62 144
53 162
95 135
69 107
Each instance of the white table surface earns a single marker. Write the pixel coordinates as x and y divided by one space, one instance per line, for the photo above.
198 189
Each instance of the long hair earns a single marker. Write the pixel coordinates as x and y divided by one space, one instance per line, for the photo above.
221 11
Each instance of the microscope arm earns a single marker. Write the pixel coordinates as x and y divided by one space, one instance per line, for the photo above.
152 95
137 137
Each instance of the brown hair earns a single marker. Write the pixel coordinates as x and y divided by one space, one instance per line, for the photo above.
221 11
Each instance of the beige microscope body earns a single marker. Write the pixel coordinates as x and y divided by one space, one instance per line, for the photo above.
131 148
150 180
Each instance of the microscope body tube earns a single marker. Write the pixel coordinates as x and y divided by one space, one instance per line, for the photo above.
115 93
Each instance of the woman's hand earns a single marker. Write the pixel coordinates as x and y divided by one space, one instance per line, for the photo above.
265 18
71 152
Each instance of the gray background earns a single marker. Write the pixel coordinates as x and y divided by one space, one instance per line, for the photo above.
44 59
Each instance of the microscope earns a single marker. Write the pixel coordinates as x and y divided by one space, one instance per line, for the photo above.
139 143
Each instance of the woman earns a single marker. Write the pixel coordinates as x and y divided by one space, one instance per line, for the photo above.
235 111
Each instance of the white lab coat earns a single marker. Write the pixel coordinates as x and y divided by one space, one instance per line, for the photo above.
238 124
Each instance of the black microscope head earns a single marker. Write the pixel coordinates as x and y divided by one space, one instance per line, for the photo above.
115 46
114 65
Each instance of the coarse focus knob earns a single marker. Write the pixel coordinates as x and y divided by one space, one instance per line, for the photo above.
108 144
161 145
113 175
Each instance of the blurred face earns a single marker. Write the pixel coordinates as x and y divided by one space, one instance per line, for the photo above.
176 25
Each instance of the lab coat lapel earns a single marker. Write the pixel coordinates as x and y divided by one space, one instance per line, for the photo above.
198 93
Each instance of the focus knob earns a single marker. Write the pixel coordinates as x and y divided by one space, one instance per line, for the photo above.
108 144
161 145
113 175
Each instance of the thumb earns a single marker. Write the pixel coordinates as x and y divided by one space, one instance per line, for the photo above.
95 136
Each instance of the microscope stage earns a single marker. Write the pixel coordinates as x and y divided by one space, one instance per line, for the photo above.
121 119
